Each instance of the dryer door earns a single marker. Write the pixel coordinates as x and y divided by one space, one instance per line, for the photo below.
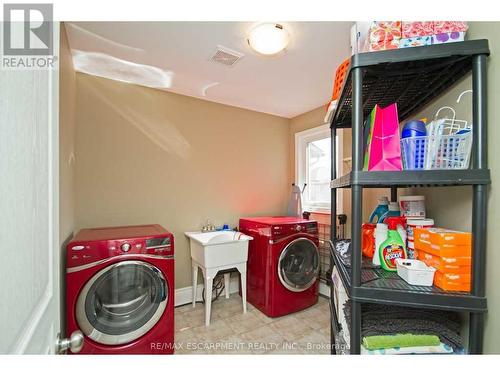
122 302
298 265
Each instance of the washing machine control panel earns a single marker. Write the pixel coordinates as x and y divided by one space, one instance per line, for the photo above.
125 247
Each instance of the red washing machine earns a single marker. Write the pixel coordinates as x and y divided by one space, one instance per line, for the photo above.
283 264
120 289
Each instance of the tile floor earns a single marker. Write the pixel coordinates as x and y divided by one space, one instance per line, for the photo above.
232 332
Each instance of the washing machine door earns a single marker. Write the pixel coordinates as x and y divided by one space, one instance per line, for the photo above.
298 265
122 302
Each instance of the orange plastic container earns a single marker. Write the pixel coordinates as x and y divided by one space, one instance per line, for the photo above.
446 264
340 75
452 282
443 242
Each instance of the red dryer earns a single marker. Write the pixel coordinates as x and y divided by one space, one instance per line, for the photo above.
283 264
120 289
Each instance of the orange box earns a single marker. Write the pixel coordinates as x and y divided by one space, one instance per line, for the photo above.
452 282
446 264
443 242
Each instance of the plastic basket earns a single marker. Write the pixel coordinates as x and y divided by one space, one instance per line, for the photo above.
340 75
439 152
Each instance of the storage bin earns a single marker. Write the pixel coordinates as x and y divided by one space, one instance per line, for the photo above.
436 152
415 272
340 75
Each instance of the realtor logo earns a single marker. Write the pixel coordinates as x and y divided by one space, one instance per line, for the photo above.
27 29
28 40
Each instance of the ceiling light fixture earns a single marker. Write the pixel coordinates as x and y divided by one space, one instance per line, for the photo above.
268 38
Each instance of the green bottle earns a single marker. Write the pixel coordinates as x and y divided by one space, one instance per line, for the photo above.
391 249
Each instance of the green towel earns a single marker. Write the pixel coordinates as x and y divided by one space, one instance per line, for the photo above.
399 341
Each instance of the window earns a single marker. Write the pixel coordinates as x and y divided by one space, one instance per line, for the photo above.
312 167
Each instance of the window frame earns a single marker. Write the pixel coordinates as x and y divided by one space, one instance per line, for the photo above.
302 138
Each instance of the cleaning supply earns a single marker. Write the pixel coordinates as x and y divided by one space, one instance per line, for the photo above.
392 211
412 206
443 242
392 248
381 209
399 340
380 236
398 222
453 282
446 264
368 239
411 224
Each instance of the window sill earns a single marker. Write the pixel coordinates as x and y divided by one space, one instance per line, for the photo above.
316 210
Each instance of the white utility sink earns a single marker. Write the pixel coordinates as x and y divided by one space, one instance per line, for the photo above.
217 249
214 252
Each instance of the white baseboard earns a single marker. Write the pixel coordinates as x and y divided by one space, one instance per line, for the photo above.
183 295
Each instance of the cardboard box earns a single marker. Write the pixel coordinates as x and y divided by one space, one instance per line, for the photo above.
449 26
419 28
455 36
385 31
417 41
383 45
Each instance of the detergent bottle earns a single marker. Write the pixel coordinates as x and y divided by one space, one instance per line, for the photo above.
392 248
380 236
381 209
394 210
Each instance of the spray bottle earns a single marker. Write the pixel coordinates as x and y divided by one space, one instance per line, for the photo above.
392 248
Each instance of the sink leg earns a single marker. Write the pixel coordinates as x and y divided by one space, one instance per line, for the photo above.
208 298
227 280
195 282
242 268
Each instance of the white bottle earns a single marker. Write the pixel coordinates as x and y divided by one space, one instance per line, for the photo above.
402 233
380 236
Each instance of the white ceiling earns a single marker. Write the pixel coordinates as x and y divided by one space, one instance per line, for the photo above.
291 83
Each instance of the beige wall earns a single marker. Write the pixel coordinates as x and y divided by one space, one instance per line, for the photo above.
148 156
67 98
452 207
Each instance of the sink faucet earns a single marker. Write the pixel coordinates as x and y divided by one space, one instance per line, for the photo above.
208 227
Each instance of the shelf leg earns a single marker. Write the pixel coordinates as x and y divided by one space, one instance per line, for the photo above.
356 203
333 345
476 333
394 194
479 198
333 193
355 344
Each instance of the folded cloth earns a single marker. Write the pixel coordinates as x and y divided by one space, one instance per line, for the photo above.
378 319
343 251
399 341
440 349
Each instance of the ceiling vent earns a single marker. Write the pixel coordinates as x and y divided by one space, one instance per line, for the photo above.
226 56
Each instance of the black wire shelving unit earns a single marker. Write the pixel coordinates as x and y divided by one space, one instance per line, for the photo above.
411 77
